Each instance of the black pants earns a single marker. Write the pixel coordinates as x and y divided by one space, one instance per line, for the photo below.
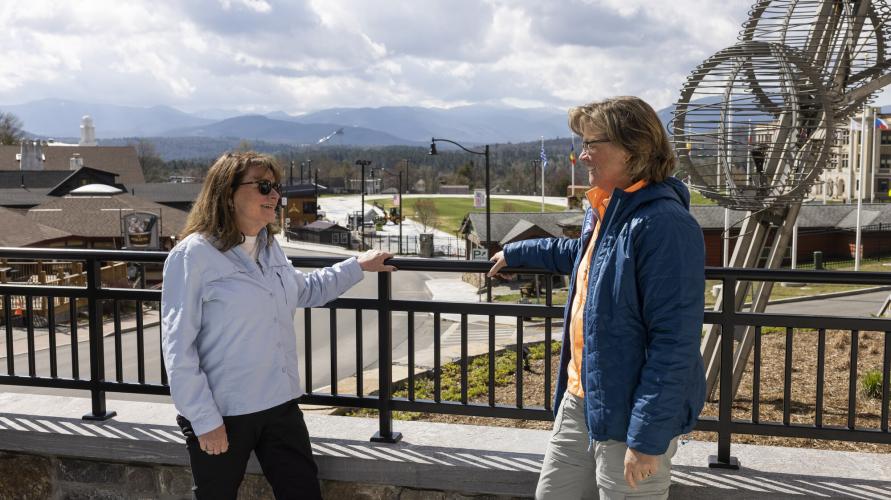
278 437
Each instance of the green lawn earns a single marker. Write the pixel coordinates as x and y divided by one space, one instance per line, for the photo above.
698 199
451 211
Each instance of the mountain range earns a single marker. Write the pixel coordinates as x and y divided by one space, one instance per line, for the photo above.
382 126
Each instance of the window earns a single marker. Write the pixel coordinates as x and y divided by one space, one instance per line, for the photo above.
883 186
309 207
886 137
884 161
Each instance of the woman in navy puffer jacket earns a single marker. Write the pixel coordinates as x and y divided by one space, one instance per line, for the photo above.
631 377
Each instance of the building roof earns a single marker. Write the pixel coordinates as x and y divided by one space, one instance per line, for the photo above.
23 197
17 230
811 216
100 216
32 178
523 230
305 189
504 222
120 160
321 225
84 174
167 192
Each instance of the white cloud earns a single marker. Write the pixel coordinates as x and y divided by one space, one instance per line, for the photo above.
298 56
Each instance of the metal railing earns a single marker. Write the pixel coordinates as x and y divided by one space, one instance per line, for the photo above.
812 327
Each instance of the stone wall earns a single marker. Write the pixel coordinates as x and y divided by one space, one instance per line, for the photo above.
35 477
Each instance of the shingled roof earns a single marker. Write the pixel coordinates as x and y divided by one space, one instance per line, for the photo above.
32 178
504 222
100 216
17 230
23 197
811 216
121 160
167 192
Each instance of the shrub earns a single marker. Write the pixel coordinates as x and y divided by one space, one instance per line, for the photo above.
871 384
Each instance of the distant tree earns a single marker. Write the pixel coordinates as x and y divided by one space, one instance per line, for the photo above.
244 145
153 167
11 132
425 213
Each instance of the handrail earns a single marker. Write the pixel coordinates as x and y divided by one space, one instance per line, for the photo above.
385 307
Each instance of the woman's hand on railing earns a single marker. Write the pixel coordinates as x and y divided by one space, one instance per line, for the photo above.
499 263
373 261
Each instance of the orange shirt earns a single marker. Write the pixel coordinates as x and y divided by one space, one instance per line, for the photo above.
599 200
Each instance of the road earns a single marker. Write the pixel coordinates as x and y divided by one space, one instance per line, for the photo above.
865 305
407 285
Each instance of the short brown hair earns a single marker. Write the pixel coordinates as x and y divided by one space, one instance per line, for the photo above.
213 214
633 124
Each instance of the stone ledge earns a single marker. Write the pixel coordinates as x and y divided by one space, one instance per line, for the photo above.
460 460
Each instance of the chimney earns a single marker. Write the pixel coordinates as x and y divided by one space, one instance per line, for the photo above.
75 162
87 132
31 156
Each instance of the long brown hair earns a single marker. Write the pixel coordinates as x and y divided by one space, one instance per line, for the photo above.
633 124
213 214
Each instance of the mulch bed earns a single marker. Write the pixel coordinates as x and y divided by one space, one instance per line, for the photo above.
804 376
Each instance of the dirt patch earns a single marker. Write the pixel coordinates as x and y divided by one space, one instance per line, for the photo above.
867 410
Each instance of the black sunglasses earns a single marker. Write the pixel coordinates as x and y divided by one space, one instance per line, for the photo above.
265 186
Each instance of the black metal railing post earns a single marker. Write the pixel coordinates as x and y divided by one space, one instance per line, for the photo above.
97 342
723 460
385 433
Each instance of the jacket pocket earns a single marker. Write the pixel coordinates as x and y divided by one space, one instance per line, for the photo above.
288 283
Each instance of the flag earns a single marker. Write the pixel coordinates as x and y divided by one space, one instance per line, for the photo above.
855 125
544 157
572 153
882 124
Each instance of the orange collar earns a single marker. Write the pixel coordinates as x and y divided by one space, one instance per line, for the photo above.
599 198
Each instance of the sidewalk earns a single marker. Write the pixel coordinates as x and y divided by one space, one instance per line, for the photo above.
472 460
150 318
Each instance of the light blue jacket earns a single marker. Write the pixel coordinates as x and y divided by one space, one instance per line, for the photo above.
227 326
642 372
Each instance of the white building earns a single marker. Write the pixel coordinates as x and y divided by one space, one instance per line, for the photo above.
840 180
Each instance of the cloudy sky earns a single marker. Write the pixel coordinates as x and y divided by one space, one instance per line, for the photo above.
304 55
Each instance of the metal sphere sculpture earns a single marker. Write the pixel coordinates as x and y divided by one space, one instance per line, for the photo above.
756 123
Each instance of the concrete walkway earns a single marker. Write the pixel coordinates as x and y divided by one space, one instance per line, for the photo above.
434 456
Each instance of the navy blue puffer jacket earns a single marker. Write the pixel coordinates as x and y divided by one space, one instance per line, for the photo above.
642 372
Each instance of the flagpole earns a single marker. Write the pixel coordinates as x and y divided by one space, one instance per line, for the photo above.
860 183
543 165
749 156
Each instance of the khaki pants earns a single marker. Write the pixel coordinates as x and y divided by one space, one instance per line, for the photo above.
574 469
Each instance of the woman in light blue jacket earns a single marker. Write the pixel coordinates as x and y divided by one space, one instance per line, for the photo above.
227 311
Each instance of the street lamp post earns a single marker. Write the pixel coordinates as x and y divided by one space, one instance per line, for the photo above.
363 164
485 153
316 189
291 174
